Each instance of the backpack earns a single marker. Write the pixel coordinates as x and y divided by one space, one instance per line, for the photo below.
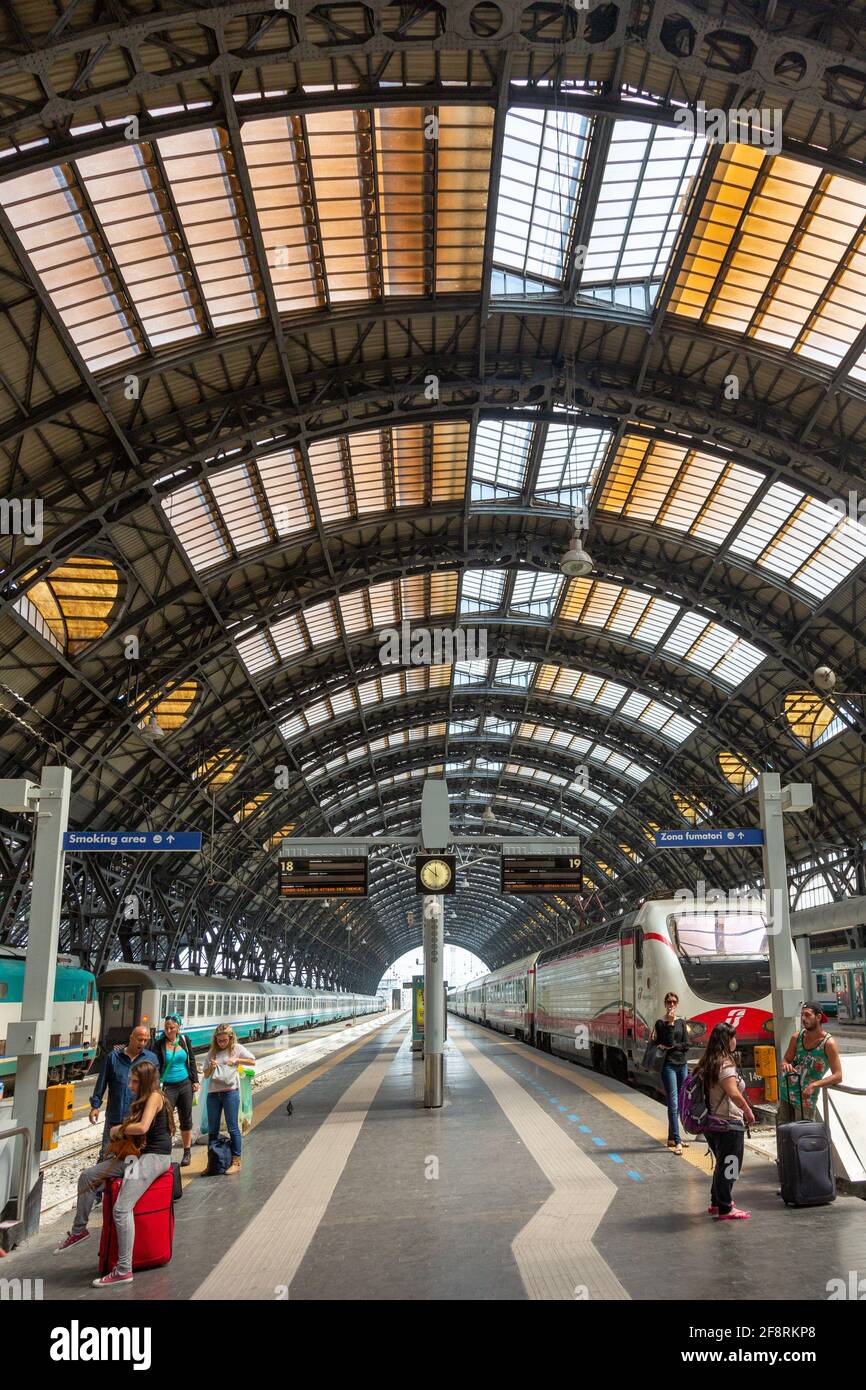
219 1156
695 1114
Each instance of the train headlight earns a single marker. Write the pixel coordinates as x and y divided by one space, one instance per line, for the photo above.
733 986
695 1030
767 1026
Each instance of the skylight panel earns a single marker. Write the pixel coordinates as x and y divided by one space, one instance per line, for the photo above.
198 165
329 470
708 645
458 727
193 517
47 212
802 539
570 455
470 672
499 728
240 507
482 590
463 153
647 174
283 207
535 593
321 623
499 458
126 194
665 484
354 612
517 673
542 164
336 161
403 163
284 488
256 653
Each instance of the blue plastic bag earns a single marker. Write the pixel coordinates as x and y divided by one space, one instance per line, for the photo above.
219 1155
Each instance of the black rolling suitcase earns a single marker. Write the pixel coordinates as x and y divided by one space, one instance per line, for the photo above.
805 1162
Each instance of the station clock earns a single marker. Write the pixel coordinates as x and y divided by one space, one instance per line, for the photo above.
435 873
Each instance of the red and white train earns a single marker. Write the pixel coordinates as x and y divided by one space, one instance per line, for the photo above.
595 998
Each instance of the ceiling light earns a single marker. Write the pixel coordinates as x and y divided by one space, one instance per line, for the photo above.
153 728
488 816
576 561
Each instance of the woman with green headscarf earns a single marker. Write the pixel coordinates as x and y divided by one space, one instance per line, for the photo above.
178 1076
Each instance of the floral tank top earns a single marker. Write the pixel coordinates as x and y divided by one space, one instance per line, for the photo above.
810 1064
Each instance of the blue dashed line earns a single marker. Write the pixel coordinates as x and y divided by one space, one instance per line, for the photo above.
616 1158
632 1174
563 1108
585 1129
572 1117
596 1140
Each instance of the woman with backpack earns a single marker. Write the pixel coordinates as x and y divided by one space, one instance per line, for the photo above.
671 1037
178 1076
223 1097
728 1112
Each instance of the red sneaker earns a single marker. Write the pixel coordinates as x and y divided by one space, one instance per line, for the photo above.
112 1278
70 1239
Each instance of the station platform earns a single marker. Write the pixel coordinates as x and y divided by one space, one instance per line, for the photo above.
537 1180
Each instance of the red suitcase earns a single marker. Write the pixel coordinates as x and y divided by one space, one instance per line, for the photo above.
154 1225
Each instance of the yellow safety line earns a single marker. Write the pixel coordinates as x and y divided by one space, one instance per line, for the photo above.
656 1129
263 1108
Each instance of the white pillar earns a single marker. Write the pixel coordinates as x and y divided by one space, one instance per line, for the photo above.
434 999
30 1039
785 980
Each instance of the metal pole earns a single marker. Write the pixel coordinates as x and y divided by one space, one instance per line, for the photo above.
434 999
786 988
31 1038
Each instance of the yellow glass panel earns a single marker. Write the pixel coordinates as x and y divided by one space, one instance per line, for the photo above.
409 464
450 451
277 836
282 192
808 715
737 771
367 452
218 770
250 807
404 169
735 177
462 195
692 811
76 600
172 710
340 151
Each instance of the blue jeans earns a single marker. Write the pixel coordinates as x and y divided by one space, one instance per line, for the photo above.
672 1079
224 1103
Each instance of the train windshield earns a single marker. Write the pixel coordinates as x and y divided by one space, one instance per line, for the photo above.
702 936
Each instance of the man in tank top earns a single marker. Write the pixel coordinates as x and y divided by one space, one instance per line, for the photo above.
804 1068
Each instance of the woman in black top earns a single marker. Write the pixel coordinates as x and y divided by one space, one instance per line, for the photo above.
670 1035
150 1125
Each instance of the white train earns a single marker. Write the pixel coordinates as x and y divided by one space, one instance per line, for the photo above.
131 994
595 998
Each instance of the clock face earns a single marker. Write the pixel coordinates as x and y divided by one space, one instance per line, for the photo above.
435 874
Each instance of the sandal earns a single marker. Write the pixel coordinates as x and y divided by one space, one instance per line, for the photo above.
735 1214
677 1150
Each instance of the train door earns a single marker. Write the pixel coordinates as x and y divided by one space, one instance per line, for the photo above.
121 1009
858 996
626 972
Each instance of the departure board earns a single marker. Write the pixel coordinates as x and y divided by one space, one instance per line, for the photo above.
524 874
321 876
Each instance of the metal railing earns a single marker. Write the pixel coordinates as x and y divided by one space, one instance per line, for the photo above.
23 1166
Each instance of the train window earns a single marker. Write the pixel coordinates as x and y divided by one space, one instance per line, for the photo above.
163 1006
201 1006
820 982
190 1011
210 1006
218 1005
181 1004
638 948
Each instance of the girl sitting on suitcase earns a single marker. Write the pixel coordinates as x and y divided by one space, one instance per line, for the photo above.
806 1059
140 1151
